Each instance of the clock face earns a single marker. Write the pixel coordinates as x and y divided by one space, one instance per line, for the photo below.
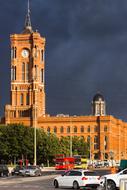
25 53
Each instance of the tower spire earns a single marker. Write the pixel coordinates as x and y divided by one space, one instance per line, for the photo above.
27 25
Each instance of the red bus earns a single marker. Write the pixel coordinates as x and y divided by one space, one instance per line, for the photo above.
64 163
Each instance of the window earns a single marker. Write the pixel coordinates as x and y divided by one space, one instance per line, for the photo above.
95 128
61 129
27 71
105 128
88 129
21 99
95 146
27 99
48 129
13 73
13 52
42 75
75 129
82 129
42 55
68 129
36 51
36 72
96 139
55 129
74 173
88 139
106 142
23 71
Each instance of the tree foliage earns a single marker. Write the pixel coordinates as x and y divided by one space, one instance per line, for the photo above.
17 142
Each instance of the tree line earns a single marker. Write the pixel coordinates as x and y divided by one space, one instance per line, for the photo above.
17 142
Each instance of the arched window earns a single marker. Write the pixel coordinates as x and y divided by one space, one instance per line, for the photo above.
82 129
21 99
23 71
61 129
68 129
75 129
55 129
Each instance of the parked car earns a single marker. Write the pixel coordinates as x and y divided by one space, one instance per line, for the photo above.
77 179
113 180
31 171
17 170
4 170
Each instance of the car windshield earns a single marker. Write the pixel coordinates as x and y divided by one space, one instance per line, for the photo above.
32 167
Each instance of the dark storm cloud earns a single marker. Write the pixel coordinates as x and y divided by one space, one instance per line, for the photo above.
86 51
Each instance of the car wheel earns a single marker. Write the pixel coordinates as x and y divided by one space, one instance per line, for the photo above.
40 174
56 185
111 185
37 174
75 185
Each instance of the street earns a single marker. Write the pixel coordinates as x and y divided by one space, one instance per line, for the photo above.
32 183
44 182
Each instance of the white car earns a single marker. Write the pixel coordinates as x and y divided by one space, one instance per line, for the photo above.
112 181
31 171
77 178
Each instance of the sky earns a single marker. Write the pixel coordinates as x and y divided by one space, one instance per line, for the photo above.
86 52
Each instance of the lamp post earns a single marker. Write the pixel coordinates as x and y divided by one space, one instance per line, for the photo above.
90 144
35 137
104 148
70 138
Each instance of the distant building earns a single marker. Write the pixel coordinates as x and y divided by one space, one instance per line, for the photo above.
106 134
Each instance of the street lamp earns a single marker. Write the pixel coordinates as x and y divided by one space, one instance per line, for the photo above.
90 148
70 138
35 137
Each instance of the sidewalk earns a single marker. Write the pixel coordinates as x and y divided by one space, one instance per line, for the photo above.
48 169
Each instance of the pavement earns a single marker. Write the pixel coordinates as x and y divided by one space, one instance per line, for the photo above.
13 180
48 169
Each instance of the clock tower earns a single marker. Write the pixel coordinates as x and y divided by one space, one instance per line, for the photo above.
27 76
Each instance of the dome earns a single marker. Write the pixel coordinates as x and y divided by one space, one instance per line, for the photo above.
98 97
